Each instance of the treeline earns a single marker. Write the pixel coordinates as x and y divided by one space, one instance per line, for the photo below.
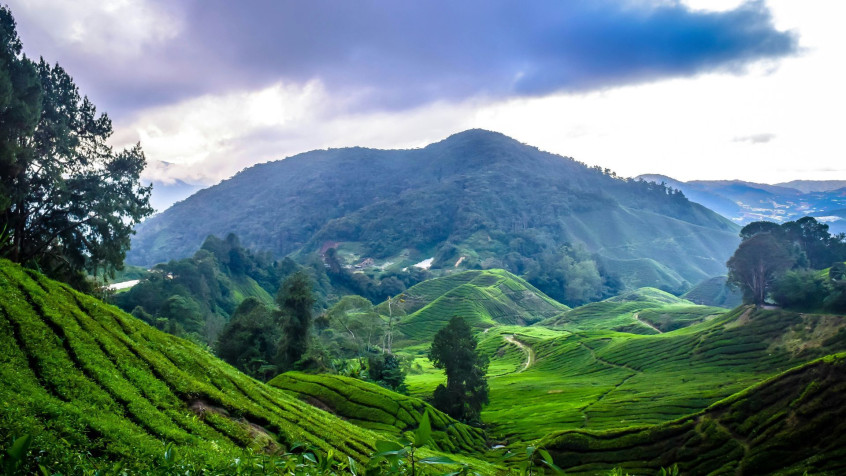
798 264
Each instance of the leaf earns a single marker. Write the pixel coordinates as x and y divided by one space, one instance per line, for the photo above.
423 433
438 460
19 448
352 466
383 446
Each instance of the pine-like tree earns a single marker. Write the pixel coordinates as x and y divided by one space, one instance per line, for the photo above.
466 390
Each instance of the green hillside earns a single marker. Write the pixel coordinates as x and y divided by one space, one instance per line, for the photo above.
484 298
89 382
642 311
794 423
602 380
714 292
370 406
477 199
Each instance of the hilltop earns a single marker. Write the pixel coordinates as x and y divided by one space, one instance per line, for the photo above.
484 298
477 199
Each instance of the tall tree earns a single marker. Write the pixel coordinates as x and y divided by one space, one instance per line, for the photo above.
249 339
68 201
295 300
755 265
466 391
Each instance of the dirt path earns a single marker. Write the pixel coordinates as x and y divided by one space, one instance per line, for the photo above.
638 319
530 354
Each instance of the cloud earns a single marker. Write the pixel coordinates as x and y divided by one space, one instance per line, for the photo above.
386 54
756 138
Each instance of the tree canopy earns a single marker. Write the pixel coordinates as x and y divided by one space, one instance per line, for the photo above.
454 350
68 200
778 259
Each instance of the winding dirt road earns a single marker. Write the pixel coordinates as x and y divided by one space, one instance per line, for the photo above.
530 354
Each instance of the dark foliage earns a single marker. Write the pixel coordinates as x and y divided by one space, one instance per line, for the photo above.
68 201
249 339
386 370
778 261
295 302
466 390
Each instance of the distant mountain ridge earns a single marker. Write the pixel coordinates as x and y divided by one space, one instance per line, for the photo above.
477 195
745 202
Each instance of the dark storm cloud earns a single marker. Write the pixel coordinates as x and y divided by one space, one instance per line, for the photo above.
393 55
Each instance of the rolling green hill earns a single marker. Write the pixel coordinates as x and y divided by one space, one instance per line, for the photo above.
370 406
642 311
484 298
602 380
477 197
90 382
793 423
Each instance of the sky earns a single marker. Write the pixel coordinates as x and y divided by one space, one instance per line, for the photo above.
692 89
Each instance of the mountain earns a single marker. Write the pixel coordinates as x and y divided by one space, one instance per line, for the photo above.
91 385
166 194
475 200
808 186
744 202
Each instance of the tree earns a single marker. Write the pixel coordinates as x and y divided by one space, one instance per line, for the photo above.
68 201
466 390
249 340
756 263
295 302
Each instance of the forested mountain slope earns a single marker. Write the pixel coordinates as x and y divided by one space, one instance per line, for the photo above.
476 199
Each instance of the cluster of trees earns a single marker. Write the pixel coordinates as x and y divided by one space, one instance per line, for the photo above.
787 263
263 341
195 297
68 200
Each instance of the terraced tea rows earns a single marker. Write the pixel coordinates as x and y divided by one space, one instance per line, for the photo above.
794 423
371 406
605 380
484 298
83 377
642 311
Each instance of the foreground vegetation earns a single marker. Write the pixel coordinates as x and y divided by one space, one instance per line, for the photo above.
89 382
